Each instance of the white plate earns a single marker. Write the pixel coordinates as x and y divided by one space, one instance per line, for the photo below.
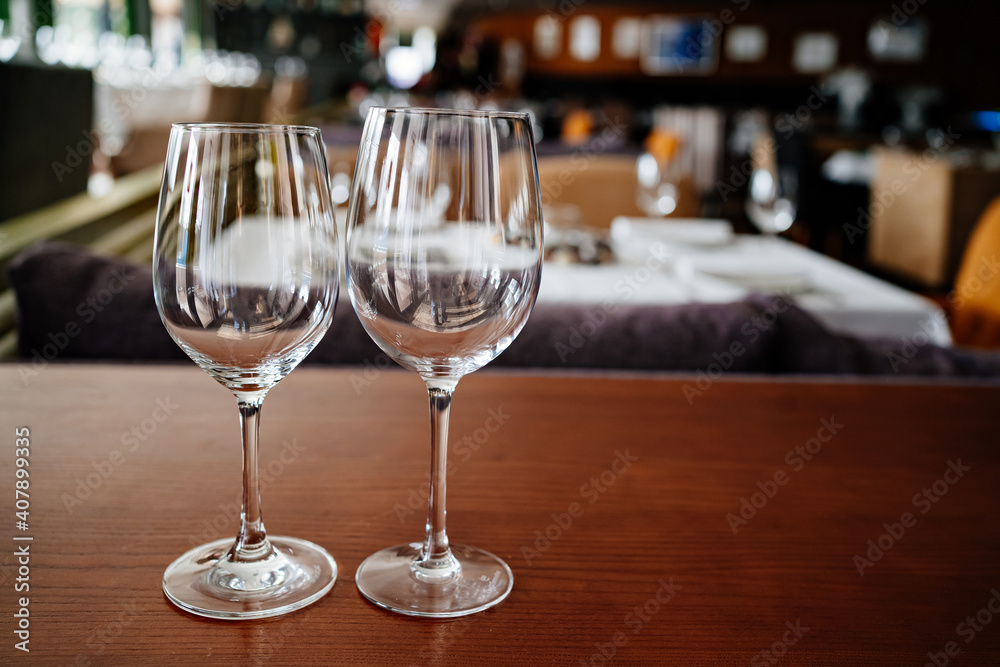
680 231
755 273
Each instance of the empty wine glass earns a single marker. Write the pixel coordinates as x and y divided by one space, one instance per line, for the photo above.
245 272
772 201
443 288
658 174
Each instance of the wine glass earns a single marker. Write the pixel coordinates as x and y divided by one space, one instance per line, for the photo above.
772 201
658 174
246 276
442 290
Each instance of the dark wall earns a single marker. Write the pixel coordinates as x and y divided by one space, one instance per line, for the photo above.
45 140
344 43
962 58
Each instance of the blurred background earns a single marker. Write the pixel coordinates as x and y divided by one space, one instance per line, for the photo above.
867 131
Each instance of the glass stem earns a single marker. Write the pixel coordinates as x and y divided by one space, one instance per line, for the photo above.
436 561
251 542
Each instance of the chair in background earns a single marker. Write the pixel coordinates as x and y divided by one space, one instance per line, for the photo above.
145 147
289 89
601 187
975 306
236 104
287 98
146 144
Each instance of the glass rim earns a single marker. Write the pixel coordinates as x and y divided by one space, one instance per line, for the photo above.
247 128
438 111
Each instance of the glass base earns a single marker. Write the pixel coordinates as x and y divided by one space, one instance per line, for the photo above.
205 582
387 578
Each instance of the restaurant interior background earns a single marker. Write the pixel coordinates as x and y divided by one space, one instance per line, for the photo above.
752 417
865 131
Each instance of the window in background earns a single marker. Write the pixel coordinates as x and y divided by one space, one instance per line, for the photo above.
585 38
69 32
626 37
425 44
512 63
10 42
746 43
673 45
72 38
815 52
547 37
167 38
905 43
410 57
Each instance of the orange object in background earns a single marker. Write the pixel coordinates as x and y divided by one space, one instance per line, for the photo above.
577 127
662 145
975 316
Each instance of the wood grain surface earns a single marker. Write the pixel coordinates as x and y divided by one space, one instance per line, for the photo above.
648 571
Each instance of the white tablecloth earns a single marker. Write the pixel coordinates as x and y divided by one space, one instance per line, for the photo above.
843 298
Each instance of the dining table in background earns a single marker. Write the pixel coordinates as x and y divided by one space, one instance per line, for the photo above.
668 262
761 521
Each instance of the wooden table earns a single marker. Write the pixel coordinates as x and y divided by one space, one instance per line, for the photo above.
649 571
